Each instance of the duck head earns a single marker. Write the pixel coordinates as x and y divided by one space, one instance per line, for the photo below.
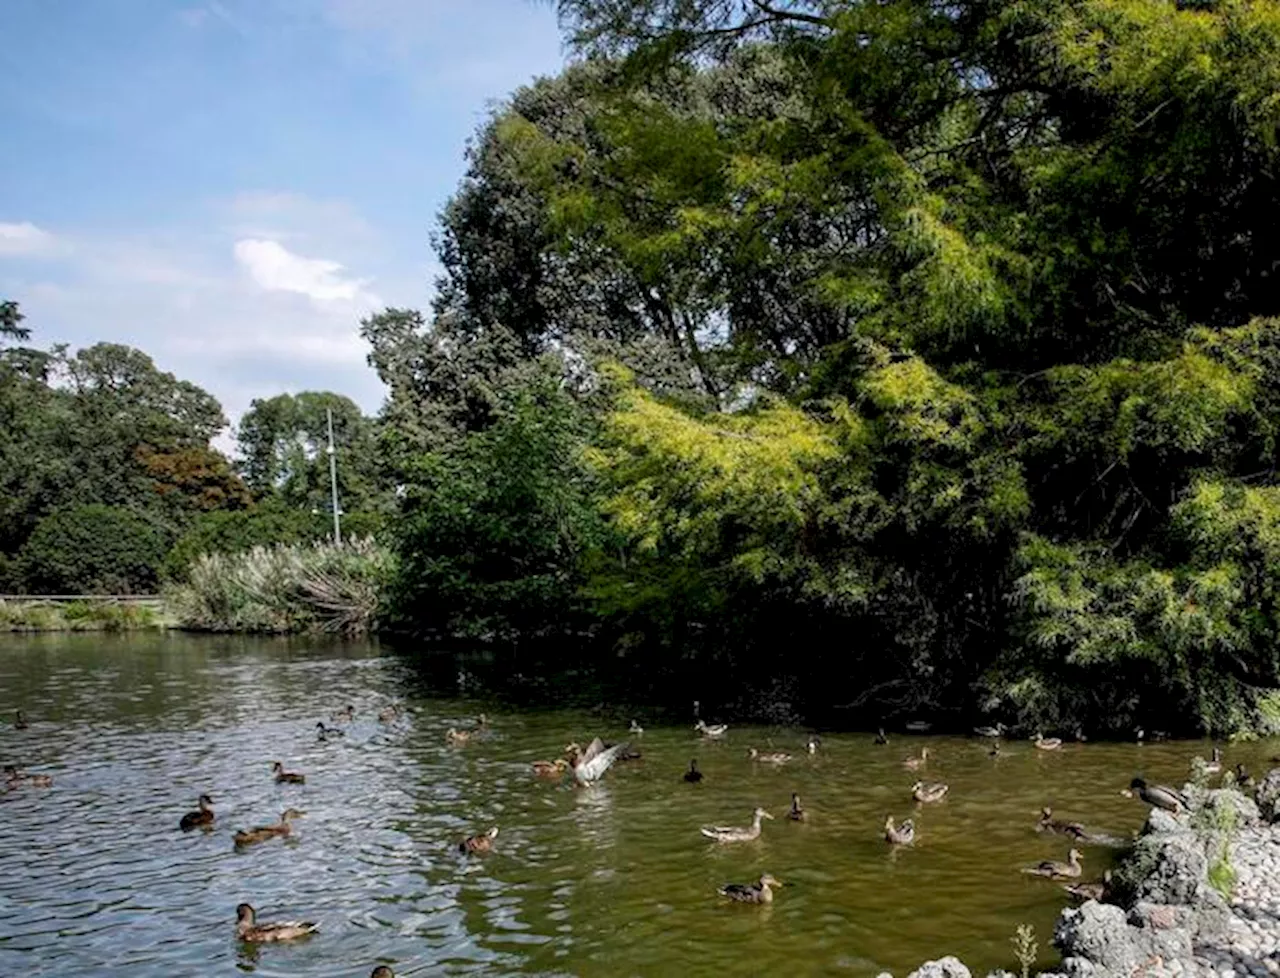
382 971
1075 856
1137 784
289 814
761 813
767 880
245 915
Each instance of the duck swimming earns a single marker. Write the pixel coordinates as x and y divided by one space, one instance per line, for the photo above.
635 728
590 766
479 843
550 769
1049 869
389 714
1047 743
287 777
16 779
382 971
881 740
927 793
915 763
775 758
902 835
1159 795
813 744
1048 823
201 816
457 738
797 814
729 833
346 715
1214 764
262 833
715 730
247 928
20 722
1096 890
693 775
757 892
328 733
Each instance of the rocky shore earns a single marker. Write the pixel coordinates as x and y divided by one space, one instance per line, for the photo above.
1198 895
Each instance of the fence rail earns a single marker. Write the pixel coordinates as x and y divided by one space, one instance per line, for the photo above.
152 599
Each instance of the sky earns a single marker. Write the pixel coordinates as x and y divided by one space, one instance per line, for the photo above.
231 185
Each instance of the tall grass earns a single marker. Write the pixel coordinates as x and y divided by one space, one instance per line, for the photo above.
75 616
286 588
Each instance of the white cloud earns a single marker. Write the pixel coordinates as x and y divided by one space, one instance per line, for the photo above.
25 239
277 269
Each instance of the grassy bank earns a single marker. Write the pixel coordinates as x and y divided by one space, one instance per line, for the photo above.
76 616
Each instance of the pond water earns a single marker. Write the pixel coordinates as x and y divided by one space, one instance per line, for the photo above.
612 880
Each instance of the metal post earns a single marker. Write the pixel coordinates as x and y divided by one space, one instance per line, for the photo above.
333 482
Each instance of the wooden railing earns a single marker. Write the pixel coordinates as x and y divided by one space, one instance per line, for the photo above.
143 599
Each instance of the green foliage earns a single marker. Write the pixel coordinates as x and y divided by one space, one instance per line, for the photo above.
92 549
1025 947
286 589
76 616
234 532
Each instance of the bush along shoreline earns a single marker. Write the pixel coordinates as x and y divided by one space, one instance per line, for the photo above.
1197 894
35 615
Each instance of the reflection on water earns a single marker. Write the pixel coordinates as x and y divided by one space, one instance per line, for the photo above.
612 880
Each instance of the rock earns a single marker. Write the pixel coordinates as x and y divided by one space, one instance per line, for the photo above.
1160 822
1217 803
948 967
1003 974
1095 936
1268 795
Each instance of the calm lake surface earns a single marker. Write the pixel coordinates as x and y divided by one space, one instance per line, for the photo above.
613 880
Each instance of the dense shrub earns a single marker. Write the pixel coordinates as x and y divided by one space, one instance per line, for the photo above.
92 549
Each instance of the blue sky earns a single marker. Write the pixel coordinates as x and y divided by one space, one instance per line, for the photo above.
230 185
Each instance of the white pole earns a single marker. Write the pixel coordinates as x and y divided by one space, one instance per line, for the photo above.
333 482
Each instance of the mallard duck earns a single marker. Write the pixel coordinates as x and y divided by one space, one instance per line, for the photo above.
915 763
693 775
729 833
1047 743
287 777
881 740
635 728
479 843
1095 890
346 715
813 744
389 714
382 971
1243 778
328 733
990 732
247 929
590 765
797 814
262 833
995 749
758 892
203 815
1214 764
1048 823
550 769
1049 869
20 721
715 730
1159 795
457 738
902 835
928 792
16 779
774 758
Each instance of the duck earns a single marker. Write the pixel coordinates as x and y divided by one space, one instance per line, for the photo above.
262 833
479 843
1214 764
287 777
457 738
1243 778
590 765
796 814
1094 890
758 892
389 714
635 728
995 750
693 775
1049 869
1159 795
203 815
482 721
778 757
813 744
715 730
550 769
1048 823
382 971
346 715
915 763
881 740
928 792
1047 743
20 721
248 929
901 835
729 833
326 733
16 779
993 733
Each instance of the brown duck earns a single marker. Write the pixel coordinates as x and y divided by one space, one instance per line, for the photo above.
262 833
203 815
287 777
1049 869
479 843
248 929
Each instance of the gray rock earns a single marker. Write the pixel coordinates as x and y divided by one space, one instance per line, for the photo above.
1095 938
1245 809
1160 822
948 967
1003 974
1268 795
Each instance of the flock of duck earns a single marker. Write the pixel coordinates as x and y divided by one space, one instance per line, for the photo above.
590 764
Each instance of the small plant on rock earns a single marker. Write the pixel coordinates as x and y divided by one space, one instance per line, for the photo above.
1025 947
